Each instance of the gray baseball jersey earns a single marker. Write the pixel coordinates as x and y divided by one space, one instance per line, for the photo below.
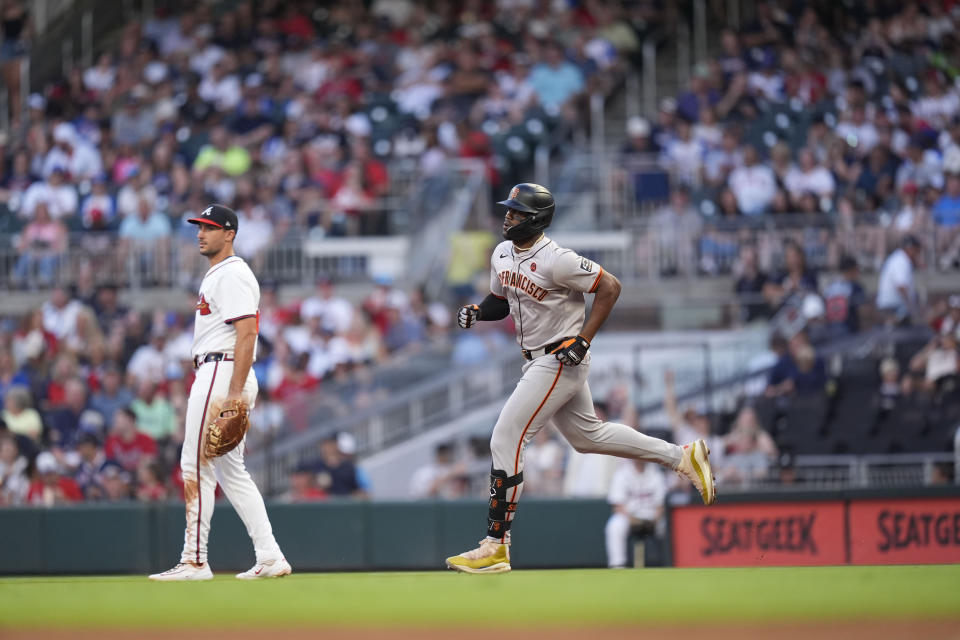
544 286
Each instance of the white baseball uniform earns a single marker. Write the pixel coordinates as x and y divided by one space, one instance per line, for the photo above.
229 292
641 496
544 286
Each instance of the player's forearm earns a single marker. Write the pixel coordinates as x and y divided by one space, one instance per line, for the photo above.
607 293
242 361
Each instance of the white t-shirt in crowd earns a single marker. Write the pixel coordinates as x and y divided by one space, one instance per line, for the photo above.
897 272
753 187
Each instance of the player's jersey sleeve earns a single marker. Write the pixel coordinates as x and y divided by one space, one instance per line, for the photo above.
496 287
237 295
576 272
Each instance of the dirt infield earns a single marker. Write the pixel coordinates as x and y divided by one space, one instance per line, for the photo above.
865 630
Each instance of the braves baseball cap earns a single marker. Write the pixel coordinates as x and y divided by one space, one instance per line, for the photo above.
218 216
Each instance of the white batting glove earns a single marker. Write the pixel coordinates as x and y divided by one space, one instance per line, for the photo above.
468 316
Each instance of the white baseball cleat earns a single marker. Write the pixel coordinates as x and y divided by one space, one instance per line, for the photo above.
267 569
185 571
695 466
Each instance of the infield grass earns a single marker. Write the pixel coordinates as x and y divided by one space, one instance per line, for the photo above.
534 598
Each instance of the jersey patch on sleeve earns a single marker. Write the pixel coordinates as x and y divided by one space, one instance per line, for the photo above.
586 265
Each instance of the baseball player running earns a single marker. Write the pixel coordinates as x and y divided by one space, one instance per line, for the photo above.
541 286
224 348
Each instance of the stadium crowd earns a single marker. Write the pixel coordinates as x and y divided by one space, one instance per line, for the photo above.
291 113
812 115
94 394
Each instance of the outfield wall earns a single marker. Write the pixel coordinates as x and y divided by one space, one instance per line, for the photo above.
326 536
807 528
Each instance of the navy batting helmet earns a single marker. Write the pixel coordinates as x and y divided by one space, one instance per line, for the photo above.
534 200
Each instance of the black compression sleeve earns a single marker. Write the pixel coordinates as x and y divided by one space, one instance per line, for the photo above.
494 308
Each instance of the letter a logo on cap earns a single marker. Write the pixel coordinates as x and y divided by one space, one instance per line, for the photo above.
514 192
207 211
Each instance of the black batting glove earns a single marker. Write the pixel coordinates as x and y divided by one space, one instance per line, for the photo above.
468 316
572 351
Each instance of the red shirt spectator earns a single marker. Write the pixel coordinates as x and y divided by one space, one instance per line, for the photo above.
127 446
51 488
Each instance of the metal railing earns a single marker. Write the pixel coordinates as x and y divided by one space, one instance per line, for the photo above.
386 234
405 414
839 472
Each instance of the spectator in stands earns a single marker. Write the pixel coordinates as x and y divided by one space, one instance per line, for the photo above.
638 137
98 213
946 217
115 481
336 474
42 246
693 423
10 375
303 486
637 494
145 239
809 177
443 477
896 290
844 299
51 488
949 324
19 415
796 277
749 450
891 386
127 446
938 361
332 310
59 196
134 124
721 160
147 364
80 160
153 412
752 184
91 459
14 482
800 371
555 80
150 487
678 225
65 421
112 395
920 166
750 286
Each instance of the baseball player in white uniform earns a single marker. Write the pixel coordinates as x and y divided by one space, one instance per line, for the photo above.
224 348
637 491
541 286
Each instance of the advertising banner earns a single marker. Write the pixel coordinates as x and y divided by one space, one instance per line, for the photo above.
759 534
907 531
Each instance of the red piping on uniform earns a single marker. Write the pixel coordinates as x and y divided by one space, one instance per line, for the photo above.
231 320
203 419
516 461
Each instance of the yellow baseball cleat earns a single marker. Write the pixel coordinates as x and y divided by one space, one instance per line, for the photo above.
695 466
490 557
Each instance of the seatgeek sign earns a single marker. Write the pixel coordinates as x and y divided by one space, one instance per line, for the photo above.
817 532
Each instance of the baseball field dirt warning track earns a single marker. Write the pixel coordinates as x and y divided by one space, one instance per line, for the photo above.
786 603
